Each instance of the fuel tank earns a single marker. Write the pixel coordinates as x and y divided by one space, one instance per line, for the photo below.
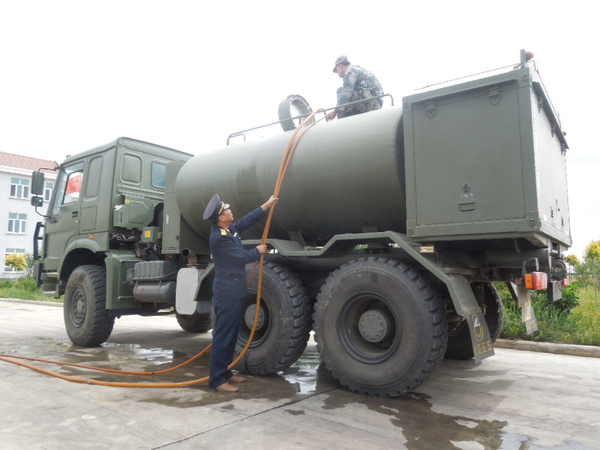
346 176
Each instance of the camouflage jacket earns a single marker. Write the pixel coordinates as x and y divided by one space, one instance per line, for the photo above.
359 84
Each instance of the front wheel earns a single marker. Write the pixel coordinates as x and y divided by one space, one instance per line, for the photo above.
380 327
87 320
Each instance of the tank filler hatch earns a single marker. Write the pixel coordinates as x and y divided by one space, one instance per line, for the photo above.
293 111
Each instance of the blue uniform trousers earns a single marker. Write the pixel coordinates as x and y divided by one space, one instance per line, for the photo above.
227 324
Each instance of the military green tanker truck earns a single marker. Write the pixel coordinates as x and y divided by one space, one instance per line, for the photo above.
391 228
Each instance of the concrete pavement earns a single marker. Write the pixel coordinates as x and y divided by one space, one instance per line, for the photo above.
516 399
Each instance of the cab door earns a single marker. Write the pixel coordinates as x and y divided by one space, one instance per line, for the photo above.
63 220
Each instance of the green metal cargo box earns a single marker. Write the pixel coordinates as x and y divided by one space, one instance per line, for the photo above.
485 160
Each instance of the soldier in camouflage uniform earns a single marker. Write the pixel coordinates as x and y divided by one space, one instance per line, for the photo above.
359 84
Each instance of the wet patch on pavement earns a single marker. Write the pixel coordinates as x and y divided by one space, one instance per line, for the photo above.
412 415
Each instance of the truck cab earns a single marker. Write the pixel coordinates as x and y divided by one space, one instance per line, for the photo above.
103 200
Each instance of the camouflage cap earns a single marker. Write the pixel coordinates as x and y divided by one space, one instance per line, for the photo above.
341 60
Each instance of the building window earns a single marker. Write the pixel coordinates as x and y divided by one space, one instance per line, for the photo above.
19 188
48 189
17 223
13 251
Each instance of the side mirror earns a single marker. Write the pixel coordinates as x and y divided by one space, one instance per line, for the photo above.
37 184
37 201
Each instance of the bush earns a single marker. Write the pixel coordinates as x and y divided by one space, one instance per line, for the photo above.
575 319
27 284
24 288
539 300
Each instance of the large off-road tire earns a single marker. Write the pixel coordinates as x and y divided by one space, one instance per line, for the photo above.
87 320
459 337
196 323
380 327
284 323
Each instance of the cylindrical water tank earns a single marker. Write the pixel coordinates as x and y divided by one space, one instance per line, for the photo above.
346 176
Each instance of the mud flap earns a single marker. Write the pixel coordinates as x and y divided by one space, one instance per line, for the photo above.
466 305
527 312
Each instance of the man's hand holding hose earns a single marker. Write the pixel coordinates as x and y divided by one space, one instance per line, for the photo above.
265 206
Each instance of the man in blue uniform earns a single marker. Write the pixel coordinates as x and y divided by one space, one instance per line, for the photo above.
230 285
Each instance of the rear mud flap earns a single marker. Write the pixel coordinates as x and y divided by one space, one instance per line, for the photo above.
466 305
523 296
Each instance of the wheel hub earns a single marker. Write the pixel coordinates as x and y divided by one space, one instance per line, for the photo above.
249 316
78 307
374 325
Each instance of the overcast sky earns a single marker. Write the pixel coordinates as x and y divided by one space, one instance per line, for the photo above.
76 74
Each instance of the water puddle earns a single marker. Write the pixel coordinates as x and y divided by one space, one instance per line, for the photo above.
421 427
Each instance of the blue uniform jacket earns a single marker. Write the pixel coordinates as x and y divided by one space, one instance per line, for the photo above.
230 257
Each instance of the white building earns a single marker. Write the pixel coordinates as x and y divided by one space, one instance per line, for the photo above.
17 217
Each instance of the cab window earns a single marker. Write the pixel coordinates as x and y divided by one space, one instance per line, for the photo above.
158 175
69 187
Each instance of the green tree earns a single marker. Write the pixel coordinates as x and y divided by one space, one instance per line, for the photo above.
572 260
30 263
574 265
17 261
591 265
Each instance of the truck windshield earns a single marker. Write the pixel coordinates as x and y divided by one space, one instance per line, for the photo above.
69 187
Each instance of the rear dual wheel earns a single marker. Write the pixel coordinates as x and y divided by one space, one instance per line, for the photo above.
380 327
284 323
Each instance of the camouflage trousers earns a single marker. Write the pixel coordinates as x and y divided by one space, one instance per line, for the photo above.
359 108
